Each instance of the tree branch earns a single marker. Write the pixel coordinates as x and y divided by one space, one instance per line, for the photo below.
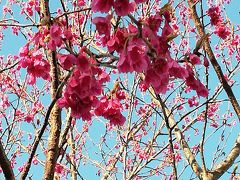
179 136
55 117
5 164
229 160
213 60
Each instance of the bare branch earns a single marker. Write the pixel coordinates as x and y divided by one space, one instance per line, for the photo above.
5 164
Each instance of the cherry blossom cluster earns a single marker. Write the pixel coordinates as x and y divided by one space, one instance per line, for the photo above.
29 7
142 47
121 7
136 55
217 20
35 64
83 87
110 108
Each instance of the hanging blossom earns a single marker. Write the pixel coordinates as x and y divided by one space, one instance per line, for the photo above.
35 64
221 30
111 110
103 25
134 55
83 88
121 7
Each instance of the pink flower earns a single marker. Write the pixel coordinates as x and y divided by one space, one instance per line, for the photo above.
36 67
24 51
55 37
154 22
178 157
123 7
215 15
197 86
103 77
82 89
201 90
134 58
59 168
193 102
163 46
140 1
103 25
68 34
167 29
67 60
194 59
158 75
83 63
222 31
117 40
102 5
111 110
176 70
29 118
124 64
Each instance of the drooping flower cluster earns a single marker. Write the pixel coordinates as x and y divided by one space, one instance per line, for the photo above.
52 38
29 7
35 64
134 57
222 31
215 15
121 7
82 89
195 84
154 60
217 20
111 110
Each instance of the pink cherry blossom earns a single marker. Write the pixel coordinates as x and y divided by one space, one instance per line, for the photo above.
103 25
158 75
36 66
215 15
55 37
102 5
194 59
134 58
111 110
222 31
117 40
67 61
123 7
140 1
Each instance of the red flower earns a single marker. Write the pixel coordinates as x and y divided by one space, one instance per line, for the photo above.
67 60
134 58
117 41
215 15
36 66
123 7
111 110
102 5
55 37
158 75
194 59
103 25
222 31
140 1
